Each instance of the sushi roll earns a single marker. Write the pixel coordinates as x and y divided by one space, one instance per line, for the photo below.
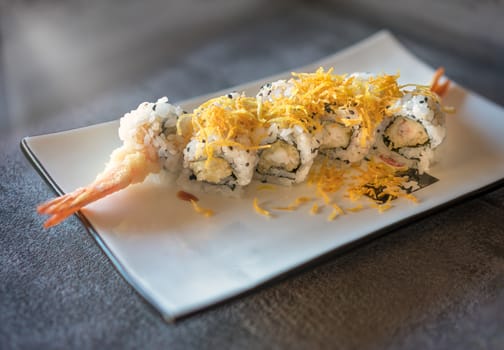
291 138
221 154
412 132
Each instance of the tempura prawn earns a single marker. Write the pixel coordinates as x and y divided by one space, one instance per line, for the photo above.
150 143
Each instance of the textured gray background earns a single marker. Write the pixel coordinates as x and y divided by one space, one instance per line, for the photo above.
435 283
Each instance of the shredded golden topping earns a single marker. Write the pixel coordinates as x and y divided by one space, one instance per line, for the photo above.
380 182
356 208
377 181
337 211
314 209
200 210
327 178
240 121
296 204
349 100
265 187
259 209
227 121
286 113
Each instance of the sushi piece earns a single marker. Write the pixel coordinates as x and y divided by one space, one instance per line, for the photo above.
292 136
413 131
150 143
343 136
221 155
289 154
350 120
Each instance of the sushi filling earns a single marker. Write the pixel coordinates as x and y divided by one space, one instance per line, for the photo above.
335 135
405 132
214 170
281 156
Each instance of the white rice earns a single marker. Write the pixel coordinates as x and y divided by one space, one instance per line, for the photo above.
274 90
152 127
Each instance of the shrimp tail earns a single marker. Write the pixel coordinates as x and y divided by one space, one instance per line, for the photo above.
123 170
436 86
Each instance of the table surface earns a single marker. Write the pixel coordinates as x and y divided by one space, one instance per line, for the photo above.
435 283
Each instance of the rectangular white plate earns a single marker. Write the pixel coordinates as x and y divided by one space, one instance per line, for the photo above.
182 262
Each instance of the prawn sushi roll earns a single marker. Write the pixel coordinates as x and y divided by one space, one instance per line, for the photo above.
351 118
292 138
221 155
342 136
288 155
412 133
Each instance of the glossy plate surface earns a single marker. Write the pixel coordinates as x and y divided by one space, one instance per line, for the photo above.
182 262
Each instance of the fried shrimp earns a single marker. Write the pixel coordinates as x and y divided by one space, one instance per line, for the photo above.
150 143
124 168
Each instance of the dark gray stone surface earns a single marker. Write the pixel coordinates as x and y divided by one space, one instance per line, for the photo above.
434 283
